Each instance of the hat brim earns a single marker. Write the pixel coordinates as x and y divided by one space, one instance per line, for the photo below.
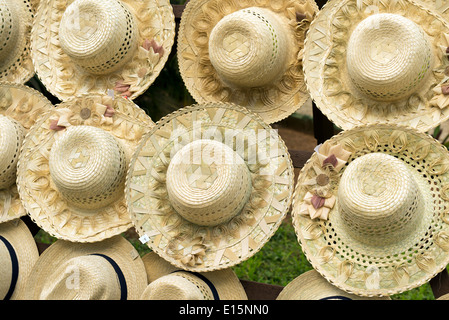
64 79
225 281
273 102
41 199
117 248
331 87
371 269
173 237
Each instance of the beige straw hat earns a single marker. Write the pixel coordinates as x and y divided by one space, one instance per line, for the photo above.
93 46
73 164
371 209
19 108
106 270
18 254
15 30
246 52
209 185
312 286
368 61
166 282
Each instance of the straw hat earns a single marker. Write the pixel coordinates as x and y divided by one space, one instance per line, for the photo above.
379 61
370 209
208 186
166 282
15 58
19 108
72 169
93 46
312 286
106 270
246 52
18 254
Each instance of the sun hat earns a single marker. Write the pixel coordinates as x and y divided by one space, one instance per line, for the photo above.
166 282
93 46
369 61
310 285
19 107
246 52
73 164
18 254
15 58
111 269
370 209
208 186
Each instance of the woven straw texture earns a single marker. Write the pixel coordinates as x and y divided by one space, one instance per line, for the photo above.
442 7
194 238
378 61
70 271
15 31
246 52
73 164
370 209
94 46
19 236
225 281
19 108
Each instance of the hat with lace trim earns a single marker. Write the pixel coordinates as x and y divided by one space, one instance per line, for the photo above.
246 52
209 185
369 61
166 282
111 269
93 46
18 254
371 209
73 164
19 107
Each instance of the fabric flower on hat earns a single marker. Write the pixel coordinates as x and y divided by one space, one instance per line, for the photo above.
316 206
334 156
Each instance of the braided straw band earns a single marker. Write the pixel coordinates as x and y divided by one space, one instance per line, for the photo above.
388 230
73 161
369 61
204 218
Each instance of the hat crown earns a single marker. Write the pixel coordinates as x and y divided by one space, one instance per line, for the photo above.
11 137
248 48
379 199
9 29
98 36
388 56
88 166
5 270
207 182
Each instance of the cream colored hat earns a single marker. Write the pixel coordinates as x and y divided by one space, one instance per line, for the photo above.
19 108
93 46
208 186
72 169
15 58
370 209
18 254
106 270
246 52
312 286
369 61
166 282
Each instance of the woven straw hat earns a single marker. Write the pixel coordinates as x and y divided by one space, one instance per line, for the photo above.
166 282
246 52
15 58
72 169
312 286
19 108
106 270
93 46
18 254
369 61
370 209
208 186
